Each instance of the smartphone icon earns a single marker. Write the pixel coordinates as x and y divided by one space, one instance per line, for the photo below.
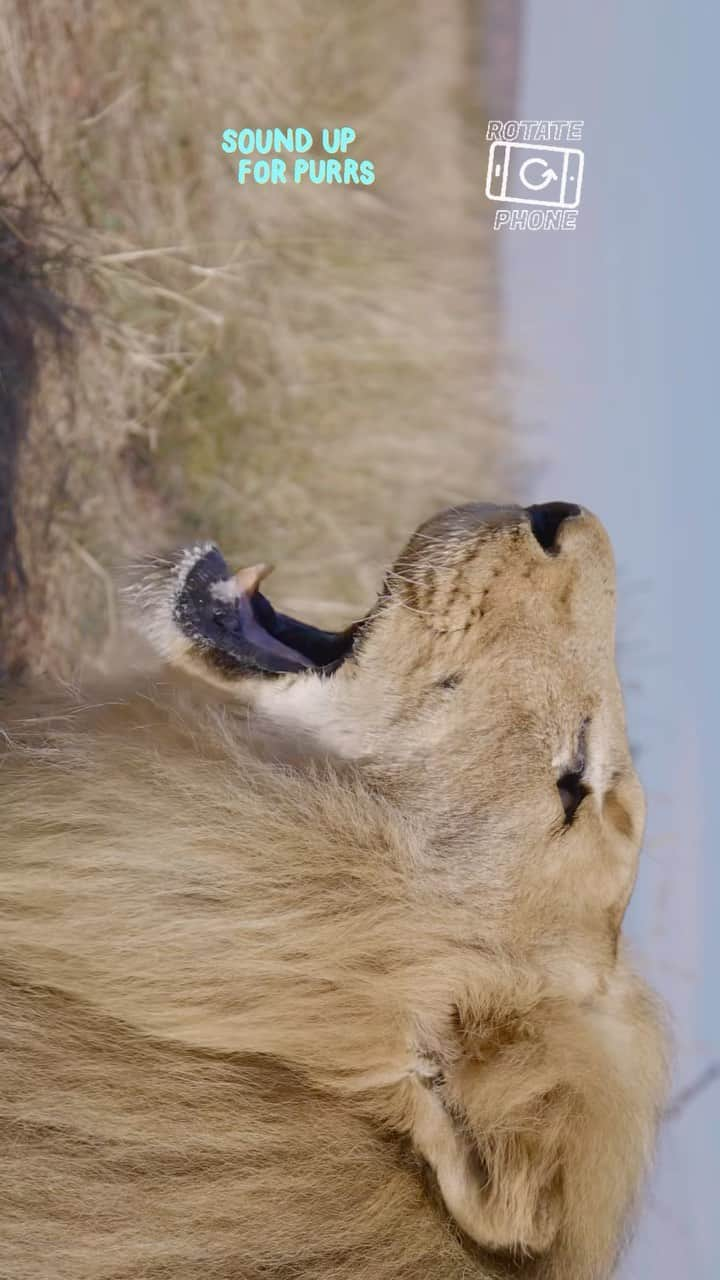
520 173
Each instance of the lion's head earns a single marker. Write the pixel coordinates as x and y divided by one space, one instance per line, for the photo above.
480 691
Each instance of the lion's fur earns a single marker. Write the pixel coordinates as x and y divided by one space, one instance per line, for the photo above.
253 982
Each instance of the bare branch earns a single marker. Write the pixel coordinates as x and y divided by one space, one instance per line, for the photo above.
690 1093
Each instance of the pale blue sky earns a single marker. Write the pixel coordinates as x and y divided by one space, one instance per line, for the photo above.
610 330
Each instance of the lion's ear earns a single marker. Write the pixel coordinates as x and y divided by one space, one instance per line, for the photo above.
503 1188
218 625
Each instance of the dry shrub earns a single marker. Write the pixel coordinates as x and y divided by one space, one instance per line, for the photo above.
33 322
301 372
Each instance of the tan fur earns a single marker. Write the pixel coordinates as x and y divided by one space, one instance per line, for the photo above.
273 954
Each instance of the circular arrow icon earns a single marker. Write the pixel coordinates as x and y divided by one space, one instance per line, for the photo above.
548 175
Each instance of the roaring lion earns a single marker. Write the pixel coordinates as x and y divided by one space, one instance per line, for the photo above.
314 969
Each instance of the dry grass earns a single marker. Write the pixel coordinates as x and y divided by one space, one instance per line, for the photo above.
299 372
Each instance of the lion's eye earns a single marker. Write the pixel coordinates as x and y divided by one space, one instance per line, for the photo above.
572 791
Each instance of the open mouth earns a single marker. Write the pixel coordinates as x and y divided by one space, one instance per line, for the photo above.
227 619
232 622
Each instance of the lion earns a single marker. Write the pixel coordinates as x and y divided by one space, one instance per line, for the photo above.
312 954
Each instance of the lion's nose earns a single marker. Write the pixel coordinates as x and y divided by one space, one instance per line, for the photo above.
546 518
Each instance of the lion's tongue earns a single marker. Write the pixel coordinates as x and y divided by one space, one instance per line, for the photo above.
239 591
